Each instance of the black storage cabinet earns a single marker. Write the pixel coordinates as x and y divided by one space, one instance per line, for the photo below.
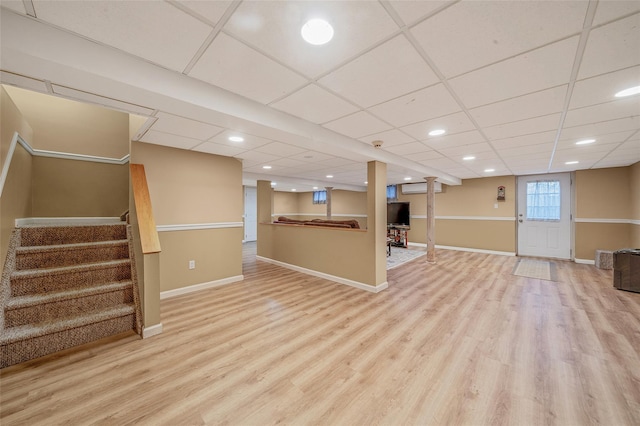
626 270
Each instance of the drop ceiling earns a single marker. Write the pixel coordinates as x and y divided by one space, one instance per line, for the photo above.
514 84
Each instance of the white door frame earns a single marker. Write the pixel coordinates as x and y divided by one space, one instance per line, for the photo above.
571 202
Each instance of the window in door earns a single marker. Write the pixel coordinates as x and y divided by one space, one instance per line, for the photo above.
543 200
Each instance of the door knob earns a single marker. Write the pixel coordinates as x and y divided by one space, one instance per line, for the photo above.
520 220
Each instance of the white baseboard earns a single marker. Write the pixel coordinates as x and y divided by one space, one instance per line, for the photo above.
473 250
197 287
339 280
585 261
151 331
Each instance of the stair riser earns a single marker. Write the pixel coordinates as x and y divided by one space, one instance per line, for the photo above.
17 352
66 308
46 236
22 286
68 257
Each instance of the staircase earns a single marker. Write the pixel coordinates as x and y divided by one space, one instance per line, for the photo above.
63 286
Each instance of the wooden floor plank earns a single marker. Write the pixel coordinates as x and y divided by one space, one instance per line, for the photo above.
462 341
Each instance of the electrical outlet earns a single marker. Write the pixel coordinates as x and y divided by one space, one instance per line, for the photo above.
495 206
192 264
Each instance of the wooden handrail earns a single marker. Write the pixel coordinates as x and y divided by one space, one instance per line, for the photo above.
148 233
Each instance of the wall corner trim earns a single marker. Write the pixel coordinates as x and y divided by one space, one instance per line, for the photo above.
151 331
198 226
585 261
339 280
197 287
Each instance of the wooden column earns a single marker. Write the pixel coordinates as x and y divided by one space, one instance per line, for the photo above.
431 220
328 189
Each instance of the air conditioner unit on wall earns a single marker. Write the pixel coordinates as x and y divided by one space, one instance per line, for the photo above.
419 188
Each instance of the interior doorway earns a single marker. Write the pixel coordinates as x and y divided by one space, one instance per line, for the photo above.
544 216
250 213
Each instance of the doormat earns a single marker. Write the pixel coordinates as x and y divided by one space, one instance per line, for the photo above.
401 255
532 268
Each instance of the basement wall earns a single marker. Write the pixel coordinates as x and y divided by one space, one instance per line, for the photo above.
15 201
197 201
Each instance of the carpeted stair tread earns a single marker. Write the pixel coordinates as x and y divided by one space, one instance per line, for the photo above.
18 302
16 334
35 273
35 235
50 256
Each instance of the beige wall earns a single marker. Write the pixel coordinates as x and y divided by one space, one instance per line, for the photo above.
601 195
475 199
74 188
634 189
16 193
192 188
67 126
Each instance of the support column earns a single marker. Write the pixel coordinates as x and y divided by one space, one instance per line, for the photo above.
328 189
431 220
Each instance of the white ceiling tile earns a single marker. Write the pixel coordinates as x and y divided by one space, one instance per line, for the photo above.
610 10
434 101
599 56
454 123
274 27
412 11
169 123
539 69
625 107
311 156
358 125
229 64
166 139
601 128
210 10
156 31
407 148
426 155
394 68
255 157
15 5
249 142
523 127
458 139
280 149
600 139
315 104
521 108
602 88
546 148
218 149
472 34
464 150
389 138
521 141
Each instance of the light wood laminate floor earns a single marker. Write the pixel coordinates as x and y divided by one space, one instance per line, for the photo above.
459 342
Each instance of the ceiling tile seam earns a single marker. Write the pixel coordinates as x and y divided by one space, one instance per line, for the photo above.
630 137
611 101
608 72
29 8
582 45
452 92
396 17
212 35
191 12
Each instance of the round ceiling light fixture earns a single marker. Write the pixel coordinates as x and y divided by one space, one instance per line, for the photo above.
585 142
437 132
236 138
317 32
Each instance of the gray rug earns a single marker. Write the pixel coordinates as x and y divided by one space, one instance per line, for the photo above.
533 268
401 255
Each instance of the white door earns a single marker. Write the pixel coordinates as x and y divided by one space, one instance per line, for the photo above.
250 213
544 215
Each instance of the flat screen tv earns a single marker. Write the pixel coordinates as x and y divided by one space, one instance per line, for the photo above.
398 214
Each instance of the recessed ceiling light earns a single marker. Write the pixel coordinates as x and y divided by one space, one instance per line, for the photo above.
366 182
315 187
273 184
628 92
266 167
293 190
317 32
407 178
585 142
571 162
236 138
489 170
469 158
329 176
437 132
